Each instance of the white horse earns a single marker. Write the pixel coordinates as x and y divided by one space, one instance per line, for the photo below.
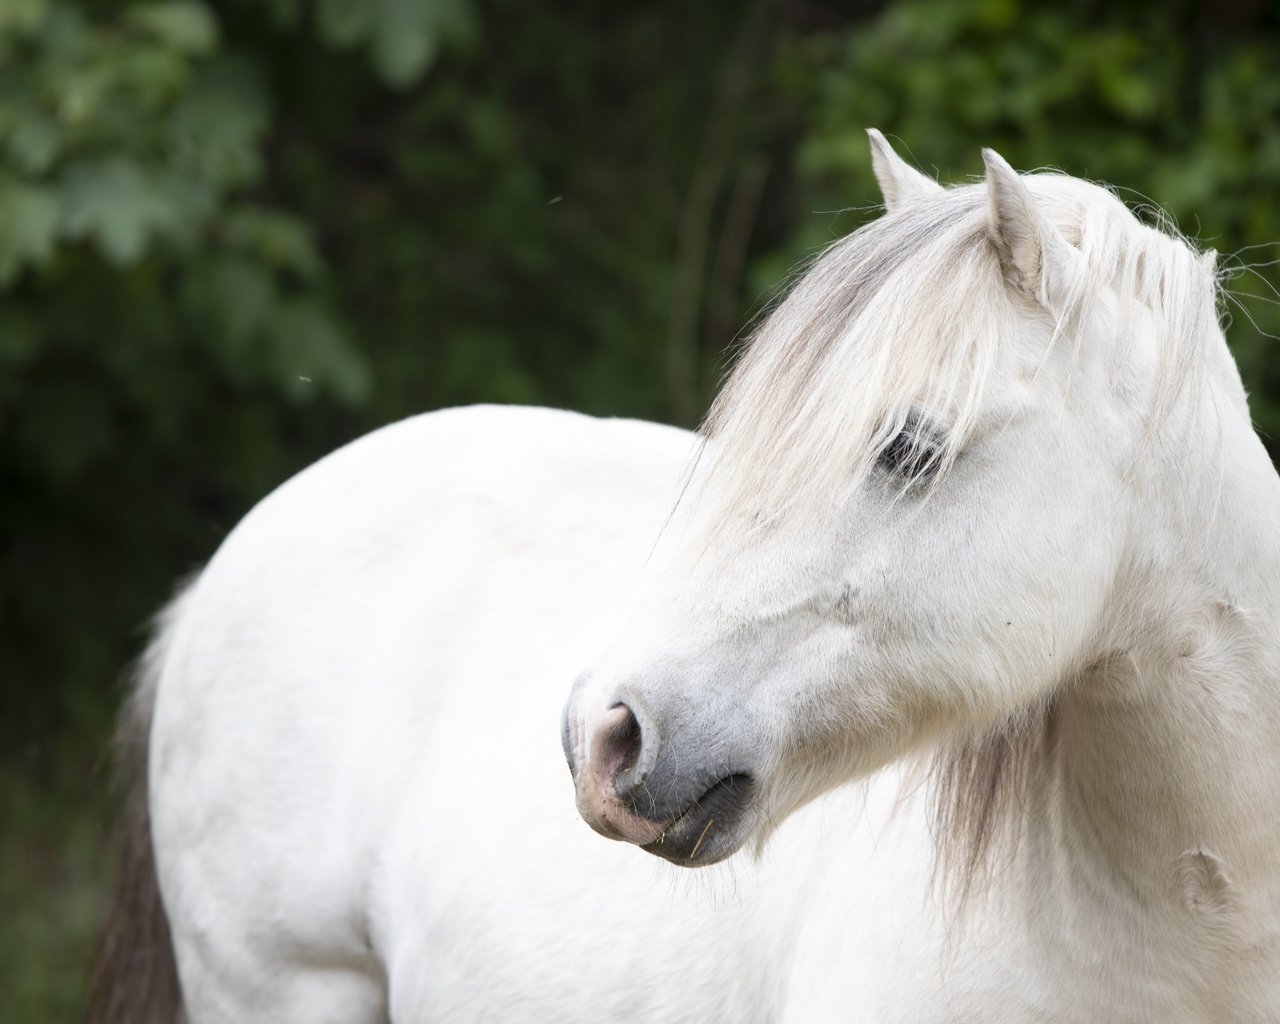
980 520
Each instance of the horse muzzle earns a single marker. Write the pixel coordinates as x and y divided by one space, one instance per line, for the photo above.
634 788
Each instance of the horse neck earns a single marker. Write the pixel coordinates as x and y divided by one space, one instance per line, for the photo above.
1165 755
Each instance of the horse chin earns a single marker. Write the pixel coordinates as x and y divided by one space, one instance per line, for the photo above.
713 828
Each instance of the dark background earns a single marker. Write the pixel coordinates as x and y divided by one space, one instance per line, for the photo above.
235 235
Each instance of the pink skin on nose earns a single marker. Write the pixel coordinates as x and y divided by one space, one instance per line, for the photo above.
598 801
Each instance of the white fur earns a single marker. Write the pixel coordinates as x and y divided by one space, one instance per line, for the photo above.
361 809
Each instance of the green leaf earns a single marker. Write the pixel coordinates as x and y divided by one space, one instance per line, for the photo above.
185 25
117 205
239 299
279 239
21 14
215 131
309 352
404 40
345 22
34 142
28 227
403 35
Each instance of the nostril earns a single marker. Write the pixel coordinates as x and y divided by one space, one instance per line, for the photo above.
620 754
616 747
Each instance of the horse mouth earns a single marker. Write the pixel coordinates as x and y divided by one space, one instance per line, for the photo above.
709 829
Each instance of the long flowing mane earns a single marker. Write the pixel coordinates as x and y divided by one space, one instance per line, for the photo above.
908 314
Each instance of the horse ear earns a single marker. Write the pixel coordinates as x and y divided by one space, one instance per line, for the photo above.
900 183
1035 258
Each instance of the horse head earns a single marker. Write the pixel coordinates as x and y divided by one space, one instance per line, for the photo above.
913 510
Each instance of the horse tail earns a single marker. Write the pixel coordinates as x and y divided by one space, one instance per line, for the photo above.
135 975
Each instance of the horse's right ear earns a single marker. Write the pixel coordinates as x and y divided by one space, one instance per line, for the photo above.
1035 258
900 183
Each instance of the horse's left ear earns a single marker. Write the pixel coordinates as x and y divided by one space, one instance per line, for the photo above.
899 182
1035 258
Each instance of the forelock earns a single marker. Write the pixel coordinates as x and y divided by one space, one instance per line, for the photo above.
887 320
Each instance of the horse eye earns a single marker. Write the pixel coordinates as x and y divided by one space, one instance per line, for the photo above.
909 456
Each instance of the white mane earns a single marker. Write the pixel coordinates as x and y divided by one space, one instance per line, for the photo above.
907 314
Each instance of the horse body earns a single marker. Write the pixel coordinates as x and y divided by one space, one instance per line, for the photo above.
362 813
963 625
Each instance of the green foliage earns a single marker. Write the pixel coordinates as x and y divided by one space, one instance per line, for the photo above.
403 37
130 140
